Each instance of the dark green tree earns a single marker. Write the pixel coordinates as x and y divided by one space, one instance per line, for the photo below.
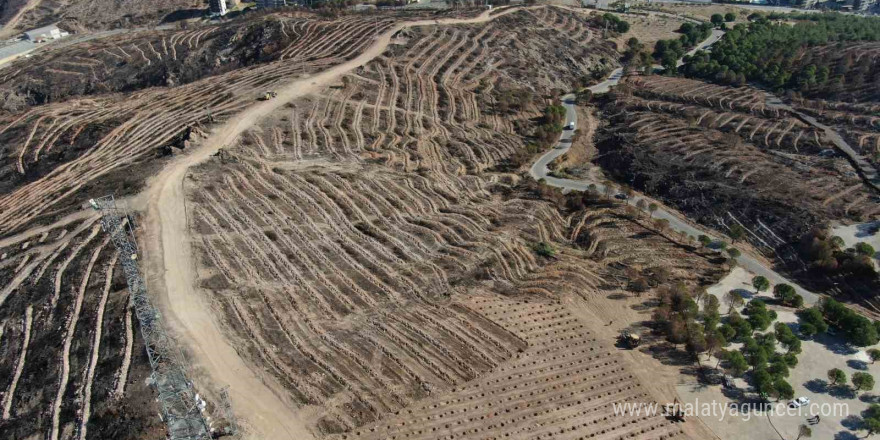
836 376
760 283
862 381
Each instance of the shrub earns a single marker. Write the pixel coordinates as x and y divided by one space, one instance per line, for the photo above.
544 249
864 249
862 381
836 376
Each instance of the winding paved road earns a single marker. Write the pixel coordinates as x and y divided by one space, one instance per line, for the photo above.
539 170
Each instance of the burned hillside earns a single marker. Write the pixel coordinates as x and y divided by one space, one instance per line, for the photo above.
723 156
168 58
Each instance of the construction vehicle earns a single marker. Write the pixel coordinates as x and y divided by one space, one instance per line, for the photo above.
630 340
268 95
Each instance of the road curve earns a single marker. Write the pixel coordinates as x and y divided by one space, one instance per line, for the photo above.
171 266
539 170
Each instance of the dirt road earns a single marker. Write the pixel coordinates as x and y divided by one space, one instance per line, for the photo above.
169 262
8 29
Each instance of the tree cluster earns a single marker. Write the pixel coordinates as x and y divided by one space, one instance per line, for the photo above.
512 100
811 322
857 329
680 319
787 295
637 56
544 249
613 23
667 52
778 55
551 125
769 368
827 254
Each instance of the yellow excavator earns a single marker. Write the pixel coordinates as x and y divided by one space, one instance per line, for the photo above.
268 95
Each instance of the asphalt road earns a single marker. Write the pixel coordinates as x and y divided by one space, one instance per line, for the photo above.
539 170
705 44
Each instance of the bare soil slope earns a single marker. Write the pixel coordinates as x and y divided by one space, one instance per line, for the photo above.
365 257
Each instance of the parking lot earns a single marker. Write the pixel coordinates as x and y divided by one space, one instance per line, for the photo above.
839 407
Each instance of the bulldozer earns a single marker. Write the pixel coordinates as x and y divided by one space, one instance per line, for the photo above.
630 340
268 95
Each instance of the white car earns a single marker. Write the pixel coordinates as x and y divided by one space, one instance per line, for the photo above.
799 402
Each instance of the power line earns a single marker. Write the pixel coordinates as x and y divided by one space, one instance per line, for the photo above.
178 402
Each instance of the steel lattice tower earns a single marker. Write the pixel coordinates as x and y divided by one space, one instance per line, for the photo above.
177 400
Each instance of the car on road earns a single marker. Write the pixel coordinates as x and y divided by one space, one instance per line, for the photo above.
799 402
569 126
727 382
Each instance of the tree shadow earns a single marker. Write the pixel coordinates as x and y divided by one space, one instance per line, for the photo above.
645 306
852 422
745 293
816 386
869 398
867 229
835 344
842 392
845 435
668 355
857 364
183 14
736 395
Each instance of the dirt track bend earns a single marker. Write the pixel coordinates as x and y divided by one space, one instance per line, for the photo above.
262 413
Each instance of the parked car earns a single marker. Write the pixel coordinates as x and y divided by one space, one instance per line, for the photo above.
727 382
621 196
799 402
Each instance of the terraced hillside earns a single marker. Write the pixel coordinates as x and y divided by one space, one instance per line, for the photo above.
80 15
367 256
167 58
724 156
54 152
72 363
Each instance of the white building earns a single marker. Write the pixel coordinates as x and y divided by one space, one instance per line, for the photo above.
218 7
50 32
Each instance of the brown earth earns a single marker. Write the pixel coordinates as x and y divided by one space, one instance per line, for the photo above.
364 255
350 257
